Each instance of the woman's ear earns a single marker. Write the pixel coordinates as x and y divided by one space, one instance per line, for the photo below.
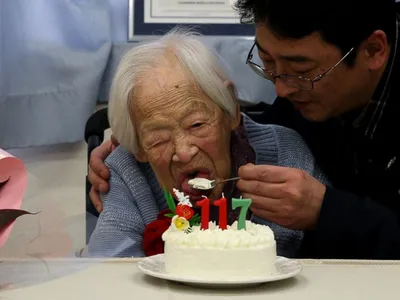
231 87
141 155
236 120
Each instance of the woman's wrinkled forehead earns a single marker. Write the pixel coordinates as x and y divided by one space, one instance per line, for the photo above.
157 94
161 92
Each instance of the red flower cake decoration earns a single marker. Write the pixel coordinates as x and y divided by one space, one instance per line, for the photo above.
184 217
184 211
180 215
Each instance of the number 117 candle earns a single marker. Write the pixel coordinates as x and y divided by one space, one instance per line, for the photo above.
205 212
244 205
223 212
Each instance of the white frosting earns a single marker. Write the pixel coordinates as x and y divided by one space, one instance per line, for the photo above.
255 235
201 183
216 253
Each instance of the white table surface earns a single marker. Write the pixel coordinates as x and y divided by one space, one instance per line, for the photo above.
120 279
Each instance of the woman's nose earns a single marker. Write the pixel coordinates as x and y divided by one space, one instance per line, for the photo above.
282 90
184 152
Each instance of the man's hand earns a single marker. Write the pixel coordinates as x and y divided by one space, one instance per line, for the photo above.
286 196
99 173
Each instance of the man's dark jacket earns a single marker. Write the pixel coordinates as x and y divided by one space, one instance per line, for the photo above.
360 216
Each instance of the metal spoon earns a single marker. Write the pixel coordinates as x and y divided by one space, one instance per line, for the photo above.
206 184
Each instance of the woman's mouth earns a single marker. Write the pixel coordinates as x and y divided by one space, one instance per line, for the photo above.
195 194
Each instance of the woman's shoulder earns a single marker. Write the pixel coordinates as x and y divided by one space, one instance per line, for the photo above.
275 144
123 163
120 161
267 132
125 168
120 157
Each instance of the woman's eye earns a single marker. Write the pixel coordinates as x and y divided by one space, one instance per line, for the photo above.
199 129
158 143
197 125
155 143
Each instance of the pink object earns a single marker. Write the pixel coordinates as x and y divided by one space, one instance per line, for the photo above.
12 192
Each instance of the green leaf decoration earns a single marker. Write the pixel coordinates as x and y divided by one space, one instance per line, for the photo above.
170 200
195 220
169 215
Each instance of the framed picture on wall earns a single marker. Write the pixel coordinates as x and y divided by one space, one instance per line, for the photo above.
209 17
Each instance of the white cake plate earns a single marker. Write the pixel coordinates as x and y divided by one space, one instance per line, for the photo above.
154 266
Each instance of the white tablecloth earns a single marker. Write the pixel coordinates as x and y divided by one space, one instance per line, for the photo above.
120 279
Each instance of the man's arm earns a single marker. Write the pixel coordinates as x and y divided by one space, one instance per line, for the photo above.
351 226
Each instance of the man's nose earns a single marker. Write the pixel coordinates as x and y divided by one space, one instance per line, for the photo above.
184 151
282 90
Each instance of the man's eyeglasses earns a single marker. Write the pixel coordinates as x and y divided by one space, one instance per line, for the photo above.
294 81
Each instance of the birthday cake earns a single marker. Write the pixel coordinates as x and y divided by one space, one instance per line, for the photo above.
197 247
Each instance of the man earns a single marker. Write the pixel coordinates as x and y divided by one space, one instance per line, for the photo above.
336 69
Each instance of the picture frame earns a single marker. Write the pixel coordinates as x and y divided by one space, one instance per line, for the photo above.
144 23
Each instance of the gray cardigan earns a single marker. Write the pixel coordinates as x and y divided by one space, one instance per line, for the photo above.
135 197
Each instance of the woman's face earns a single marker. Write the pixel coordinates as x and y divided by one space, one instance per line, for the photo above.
181 132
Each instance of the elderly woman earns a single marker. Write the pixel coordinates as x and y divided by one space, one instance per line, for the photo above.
175 115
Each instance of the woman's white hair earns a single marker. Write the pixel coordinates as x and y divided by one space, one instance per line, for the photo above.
190 54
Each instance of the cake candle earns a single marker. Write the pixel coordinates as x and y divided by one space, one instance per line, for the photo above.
222 212
205 212
244 205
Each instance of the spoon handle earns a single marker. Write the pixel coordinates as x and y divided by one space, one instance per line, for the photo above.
230 179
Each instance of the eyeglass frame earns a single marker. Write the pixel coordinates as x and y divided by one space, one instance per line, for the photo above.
262 72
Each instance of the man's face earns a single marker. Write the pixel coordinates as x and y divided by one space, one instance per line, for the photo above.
342 90
182 133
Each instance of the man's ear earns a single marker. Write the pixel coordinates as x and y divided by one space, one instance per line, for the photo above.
377 50
238 117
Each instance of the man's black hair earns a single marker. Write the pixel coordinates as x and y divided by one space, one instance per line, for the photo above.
343 23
